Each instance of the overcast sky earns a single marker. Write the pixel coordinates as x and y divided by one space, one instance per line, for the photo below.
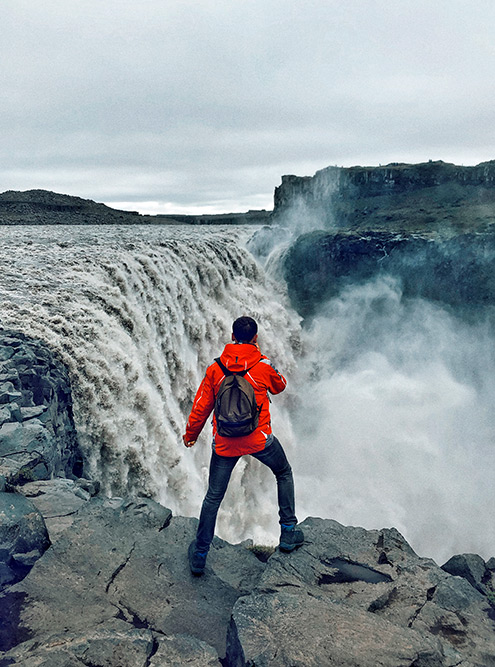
178 105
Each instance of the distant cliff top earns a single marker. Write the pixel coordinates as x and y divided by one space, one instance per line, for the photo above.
42 207
38 207
395 196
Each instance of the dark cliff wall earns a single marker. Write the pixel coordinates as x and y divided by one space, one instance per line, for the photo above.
393 196
457 271
37 433
430 225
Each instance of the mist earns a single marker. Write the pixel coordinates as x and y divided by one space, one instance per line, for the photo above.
394 423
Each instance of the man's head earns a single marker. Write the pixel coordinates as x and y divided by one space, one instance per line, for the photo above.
244 330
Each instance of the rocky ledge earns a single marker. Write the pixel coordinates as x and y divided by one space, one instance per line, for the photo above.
105 582
114 589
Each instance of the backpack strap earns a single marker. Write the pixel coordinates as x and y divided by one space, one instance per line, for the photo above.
223 367
226 371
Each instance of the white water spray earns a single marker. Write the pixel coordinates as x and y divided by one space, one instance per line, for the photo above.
402 427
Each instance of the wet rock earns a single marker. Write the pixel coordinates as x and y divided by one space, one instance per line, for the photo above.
455 270
115 586
178 650
58 500
37 434
354 597
111 643
126 560
298 628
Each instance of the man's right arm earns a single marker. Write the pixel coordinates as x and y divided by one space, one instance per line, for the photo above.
203 405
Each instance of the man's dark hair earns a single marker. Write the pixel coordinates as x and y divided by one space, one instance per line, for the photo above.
244 329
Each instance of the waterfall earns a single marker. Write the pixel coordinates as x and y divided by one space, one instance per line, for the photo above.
137 314
387 420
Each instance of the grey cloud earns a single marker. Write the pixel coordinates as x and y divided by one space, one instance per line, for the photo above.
213 101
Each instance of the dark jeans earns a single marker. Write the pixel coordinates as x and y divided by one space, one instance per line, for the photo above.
220 470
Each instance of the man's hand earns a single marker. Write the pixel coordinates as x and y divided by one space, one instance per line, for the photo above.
188 443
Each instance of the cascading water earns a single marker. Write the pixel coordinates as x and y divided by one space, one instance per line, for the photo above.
387 419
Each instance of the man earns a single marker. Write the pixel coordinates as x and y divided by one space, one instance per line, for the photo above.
242 356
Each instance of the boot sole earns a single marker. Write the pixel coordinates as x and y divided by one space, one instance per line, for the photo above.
283 546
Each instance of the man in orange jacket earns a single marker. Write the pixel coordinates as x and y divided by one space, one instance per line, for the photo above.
241 356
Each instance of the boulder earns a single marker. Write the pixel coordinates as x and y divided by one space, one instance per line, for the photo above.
472 568
296 628
58 501
23 537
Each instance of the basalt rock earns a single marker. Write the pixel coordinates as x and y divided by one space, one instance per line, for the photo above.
118 577
359 598
115 589
37 435
23 537
472 568
456 271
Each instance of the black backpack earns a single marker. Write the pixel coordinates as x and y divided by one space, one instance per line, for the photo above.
236 411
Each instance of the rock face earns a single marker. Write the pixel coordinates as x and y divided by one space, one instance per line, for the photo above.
456 271
396 197
431 226
37 433
114 589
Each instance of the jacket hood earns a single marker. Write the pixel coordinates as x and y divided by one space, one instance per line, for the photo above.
240 356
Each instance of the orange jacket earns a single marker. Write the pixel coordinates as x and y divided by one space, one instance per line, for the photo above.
262 375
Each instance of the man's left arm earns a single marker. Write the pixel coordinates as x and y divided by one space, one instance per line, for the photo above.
276 381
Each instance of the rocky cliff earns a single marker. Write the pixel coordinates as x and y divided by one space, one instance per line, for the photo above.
90 580
37 434
424 197
456 271
431 226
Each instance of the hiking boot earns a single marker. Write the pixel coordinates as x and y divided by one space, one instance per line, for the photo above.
197 559
290 538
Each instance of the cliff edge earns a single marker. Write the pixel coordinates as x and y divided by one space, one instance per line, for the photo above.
431 196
